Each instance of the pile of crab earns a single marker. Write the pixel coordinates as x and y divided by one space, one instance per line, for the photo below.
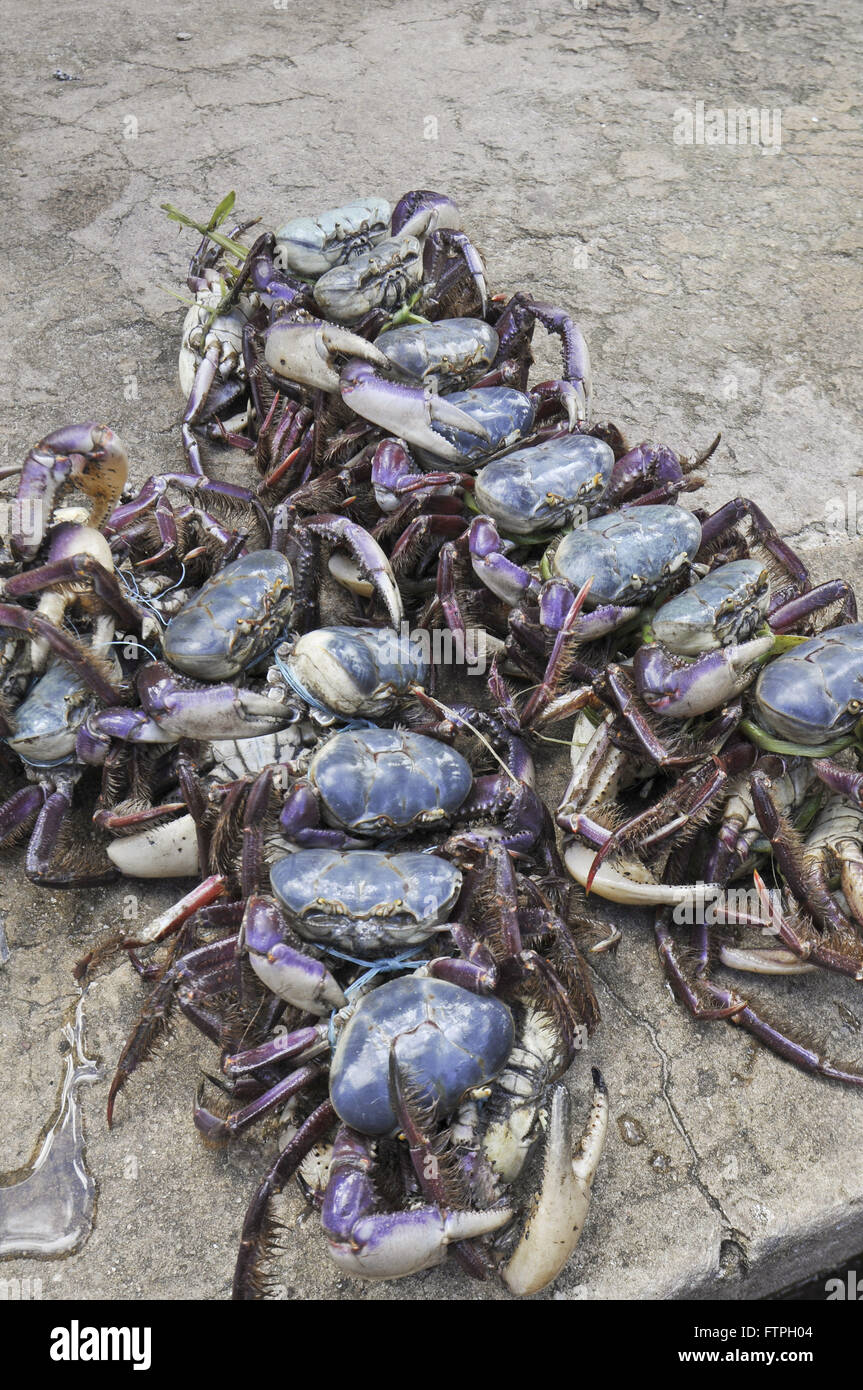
249 686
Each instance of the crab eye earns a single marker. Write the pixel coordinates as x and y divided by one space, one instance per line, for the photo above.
854 706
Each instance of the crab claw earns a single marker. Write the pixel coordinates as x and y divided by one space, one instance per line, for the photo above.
305 351
505 579
626 882
162 851
559 1210
684 689
371 570
393 1245
183 708
174 707
372 1244
421 211
88 456
414 413
291 975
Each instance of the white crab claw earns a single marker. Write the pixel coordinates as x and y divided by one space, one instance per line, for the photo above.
360 564
559 1209
628 882
305 352
765 960
165 851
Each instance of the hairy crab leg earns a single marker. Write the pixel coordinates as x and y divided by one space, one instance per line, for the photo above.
248 1284
153 1019
726 1004
215 1128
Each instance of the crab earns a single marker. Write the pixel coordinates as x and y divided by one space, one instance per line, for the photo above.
638 559
354 789
58 662
411 267
88 458
344 672
224 628
798 801
521 1011
72 678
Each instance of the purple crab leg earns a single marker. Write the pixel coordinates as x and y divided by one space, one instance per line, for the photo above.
73 570
474 968
844 780
216 961
687 980
247 1273
257 805
74 654
302 1044
841 954
515 327
694 792
542 703
300 822
805 876
790 1049
214 1128
204 378
194 483
640 470
443 1185
725 1004
21 808
624 695
444 239
715 526
786 616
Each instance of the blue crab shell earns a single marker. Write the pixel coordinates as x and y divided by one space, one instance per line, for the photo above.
356 671
814 693
365 901
313 245
541 487
507 414
383 277
47 720
448 350
380 781
234 618
629 554
728 605
448 1040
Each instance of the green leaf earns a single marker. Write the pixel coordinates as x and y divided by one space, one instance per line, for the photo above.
223 211
235 248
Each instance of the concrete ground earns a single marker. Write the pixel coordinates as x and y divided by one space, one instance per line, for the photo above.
718 288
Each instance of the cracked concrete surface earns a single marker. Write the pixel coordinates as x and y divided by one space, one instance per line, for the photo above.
718 288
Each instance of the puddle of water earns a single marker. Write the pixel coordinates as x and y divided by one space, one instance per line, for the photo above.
49 1211
631 1132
